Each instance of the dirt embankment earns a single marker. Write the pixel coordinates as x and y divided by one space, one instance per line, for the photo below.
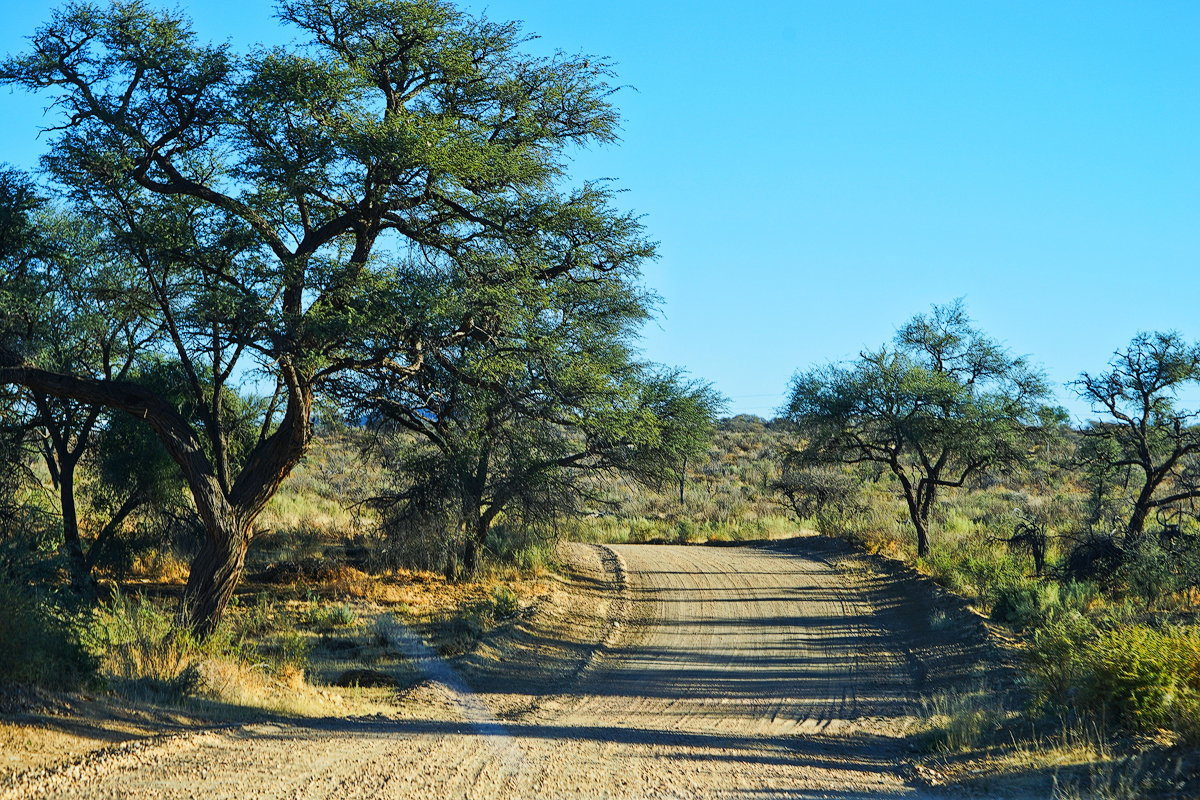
781 669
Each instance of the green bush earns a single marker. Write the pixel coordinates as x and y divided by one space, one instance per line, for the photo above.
39 642
1151 572
943 568
1027 604
1056 660
328 618
1143 678
1132 676
503 603
991 573
141 650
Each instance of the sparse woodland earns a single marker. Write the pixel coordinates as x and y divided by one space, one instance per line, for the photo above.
290 332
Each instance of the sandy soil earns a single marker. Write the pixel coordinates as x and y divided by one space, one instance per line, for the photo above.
782 669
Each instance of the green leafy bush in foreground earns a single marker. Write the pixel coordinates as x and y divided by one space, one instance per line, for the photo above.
1133 676
39 642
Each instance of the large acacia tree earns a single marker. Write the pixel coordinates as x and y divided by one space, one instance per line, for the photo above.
1145 438
946 403
288 207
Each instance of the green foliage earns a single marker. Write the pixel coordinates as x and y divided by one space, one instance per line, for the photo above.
502 603
1144 678
142 651
331 617
1054 661
945 405
1026 604
1129 675
39 635
416 203
1152 571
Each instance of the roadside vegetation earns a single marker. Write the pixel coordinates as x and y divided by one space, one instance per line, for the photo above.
1083 540
1109 648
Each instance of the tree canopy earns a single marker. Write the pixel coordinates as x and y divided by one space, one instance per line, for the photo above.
295 212
516 421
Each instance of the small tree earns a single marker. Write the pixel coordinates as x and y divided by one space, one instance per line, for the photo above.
946 404
85 316
1144 439
516 420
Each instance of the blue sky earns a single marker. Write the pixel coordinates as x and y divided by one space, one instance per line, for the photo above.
818 172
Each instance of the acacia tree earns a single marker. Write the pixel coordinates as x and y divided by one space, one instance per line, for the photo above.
944 405
287 209
1145 433
490 459
515 421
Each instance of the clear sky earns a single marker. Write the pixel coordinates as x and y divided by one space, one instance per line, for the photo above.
818 172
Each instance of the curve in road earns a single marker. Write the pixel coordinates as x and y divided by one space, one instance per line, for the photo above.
755 671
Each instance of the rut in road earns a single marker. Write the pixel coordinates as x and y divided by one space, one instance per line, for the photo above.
752 671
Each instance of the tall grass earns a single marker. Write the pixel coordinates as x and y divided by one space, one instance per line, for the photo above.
960 720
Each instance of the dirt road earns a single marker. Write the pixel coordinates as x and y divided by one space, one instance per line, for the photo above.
755 671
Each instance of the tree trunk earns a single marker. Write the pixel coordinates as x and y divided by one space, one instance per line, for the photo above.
132 502
215 573
1137 523
470 559
922 537
81 574
227 515
914 511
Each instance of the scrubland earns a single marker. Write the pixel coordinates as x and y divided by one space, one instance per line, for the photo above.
1108 690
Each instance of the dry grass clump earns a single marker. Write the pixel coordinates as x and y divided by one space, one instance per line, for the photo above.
158 565
257 660
955 721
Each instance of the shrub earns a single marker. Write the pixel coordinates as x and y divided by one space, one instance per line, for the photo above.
502 603
943 569
327 618
1143 678
1026 604
141 650
39 642
1056 659
1129 675
1149 572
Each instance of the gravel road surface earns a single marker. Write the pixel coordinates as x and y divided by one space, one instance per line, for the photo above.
727 672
